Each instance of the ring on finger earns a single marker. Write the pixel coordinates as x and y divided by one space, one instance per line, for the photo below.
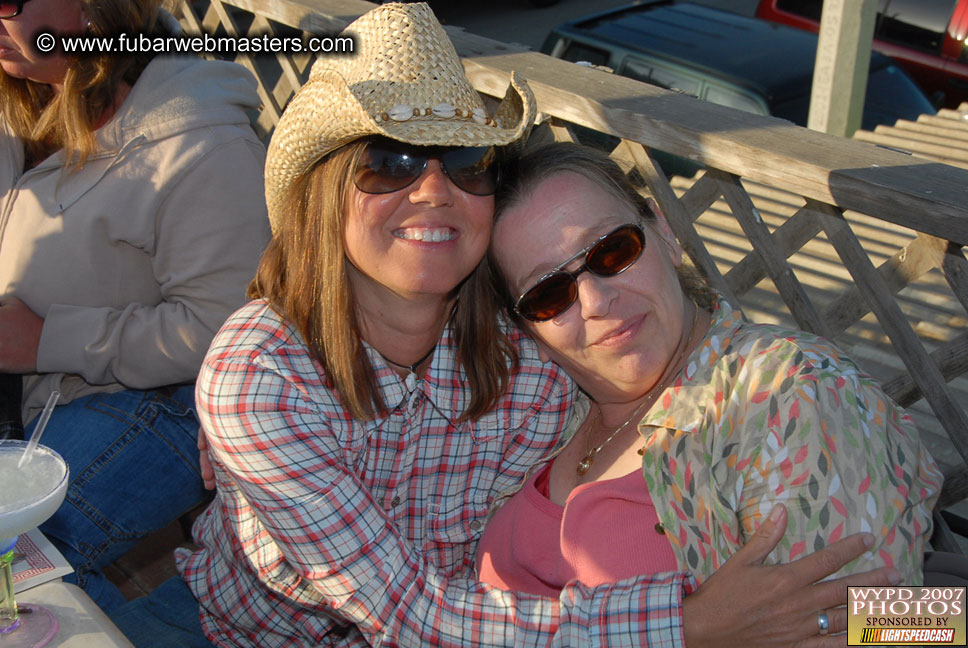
823 622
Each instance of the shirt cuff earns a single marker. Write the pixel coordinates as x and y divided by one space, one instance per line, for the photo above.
644 611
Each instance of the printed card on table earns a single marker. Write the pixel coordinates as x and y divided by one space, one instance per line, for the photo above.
36 561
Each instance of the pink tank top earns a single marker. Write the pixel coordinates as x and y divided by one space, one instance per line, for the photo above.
607 531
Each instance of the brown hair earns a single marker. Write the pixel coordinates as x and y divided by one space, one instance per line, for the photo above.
47 122
303 275
528 171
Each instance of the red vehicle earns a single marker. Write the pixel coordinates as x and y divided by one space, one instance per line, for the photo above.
926 37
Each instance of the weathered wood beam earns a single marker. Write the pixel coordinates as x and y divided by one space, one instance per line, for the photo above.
677 217
919 194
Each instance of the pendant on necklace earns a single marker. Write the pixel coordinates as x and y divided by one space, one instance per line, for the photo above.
584 465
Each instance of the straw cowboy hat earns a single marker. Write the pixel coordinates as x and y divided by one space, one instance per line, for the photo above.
404 81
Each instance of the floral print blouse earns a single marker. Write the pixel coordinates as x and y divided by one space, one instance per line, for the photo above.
761 415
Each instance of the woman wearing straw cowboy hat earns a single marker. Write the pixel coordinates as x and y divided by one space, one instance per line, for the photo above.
364 411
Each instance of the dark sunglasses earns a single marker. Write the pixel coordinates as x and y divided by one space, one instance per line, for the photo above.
555 292
386 166
11 8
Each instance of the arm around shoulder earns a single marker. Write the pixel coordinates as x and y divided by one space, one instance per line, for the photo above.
283 455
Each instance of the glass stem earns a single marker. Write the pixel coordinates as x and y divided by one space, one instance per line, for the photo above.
8 606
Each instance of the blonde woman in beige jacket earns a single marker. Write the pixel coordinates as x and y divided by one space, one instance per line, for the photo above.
132 220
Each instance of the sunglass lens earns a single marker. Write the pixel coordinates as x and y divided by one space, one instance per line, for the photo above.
548 298
9 9
616 252
383 169
473 169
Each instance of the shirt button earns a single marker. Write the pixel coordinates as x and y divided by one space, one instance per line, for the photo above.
475 525
395 501
659 528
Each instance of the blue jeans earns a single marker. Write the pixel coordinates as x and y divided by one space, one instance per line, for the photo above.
167 618
133 469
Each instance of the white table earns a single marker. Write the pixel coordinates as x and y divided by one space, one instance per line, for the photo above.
82 623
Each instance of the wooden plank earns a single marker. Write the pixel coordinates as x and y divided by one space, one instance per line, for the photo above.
905 266
925 135
563 132
954 115
952 361
700 196
924 371
852 175
954 267
266 120
956 135
677 217
541 135
289 70
937 149
210 21
321 17
793 294
789 238
943 122
943 539
268 101
955 487
186 15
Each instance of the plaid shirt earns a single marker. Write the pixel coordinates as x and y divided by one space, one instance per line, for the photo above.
332 531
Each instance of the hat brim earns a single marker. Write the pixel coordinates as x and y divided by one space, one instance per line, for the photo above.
326 115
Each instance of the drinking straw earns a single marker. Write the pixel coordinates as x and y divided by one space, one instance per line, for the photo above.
39 429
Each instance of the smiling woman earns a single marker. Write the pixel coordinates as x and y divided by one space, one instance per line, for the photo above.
366 407
699 423
391 246
596 343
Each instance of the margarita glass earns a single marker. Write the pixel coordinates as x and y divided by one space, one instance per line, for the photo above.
28 496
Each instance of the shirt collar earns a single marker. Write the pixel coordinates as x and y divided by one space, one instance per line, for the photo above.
442 383
682 405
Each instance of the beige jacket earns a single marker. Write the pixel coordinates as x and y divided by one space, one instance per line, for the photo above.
135 260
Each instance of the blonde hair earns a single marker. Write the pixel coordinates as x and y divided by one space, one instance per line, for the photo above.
46 121
303 276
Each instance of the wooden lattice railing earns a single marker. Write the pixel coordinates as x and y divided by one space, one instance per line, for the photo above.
838 186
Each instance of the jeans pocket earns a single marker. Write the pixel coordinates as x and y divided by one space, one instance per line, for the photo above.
134 469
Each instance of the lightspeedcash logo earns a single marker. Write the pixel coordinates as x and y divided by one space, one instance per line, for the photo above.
906 616
883 636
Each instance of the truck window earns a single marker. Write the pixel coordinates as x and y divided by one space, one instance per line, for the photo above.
674 80
638 70
576 52
729 97
919 24
806 8
668 78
